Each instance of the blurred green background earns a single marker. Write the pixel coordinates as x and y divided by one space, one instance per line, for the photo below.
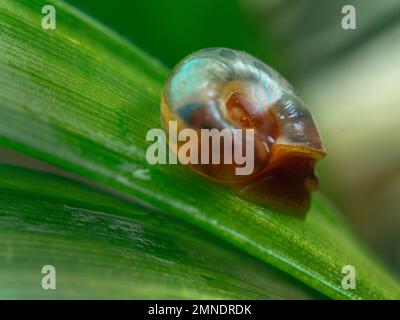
350 79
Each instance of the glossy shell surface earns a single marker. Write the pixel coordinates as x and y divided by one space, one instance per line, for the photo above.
226 89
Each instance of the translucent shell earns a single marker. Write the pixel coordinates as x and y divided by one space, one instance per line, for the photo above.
226 89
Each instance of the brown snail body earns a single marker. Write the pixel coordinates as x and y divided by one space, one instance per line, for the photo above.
219 88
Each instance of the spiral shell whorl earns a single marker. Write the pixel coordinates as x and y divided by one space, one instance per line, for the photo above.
220 88
205 79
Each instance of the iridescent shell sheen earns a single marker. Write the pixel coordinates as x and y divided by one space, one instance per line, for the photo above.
223 88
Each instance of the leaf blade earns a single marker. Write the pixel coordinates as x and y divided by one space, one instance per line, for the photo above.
89 113
104 247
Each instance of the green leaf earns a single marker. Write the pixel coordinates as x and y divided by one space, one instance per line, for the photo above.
104 247
82 98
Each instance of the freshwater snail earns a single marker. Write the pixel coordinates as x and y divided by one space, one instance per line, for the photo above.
220 88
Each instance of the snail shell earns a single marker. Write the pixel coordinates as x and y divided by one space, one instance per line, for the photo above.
226 89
